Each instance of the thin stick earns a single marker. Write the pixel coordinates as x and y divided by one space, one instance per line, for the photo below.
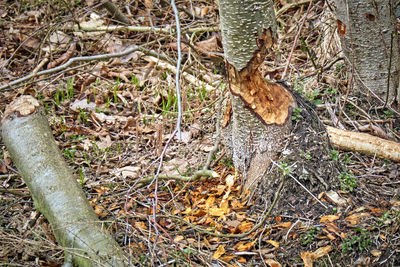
178 69
70 62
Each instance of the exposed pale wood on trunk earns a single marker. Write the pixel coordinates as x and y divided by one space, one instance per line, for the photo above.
364 143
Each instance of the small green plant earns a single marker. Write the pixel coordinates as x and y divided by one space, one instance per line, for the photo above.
228 162
330 91
314 96
338 68
334 155
285 168
69 153
83 116
346 159
387 114
347 181
169 104
135 81
296 114
358 242
81 177
115 94
309 236
306 155
70 88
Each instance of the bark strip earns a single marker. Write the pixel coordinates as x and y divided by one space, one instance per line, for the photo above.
55 191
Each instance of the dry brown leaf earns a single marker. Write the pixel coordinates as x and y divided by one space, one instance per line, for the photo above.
309 257
227 258
246 246
283 225
273 243
220 251
329 218
245 227
217 212
272 263
104 143
356 218
140 225
208 46
179 238
334 198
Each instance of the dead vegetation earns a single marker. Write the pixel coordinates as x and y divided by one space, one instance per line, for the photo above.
113 119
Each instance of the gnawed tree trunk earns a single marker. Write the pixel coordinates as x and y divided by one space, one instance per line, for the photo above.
260 133
369 40
55 191
261 110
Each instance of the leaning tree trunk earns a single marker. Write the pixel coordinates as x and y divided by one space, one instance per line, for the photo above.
369 39
55 191
261 109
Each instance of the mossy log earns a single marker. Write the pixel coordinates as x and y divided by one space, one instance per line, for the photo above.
55 191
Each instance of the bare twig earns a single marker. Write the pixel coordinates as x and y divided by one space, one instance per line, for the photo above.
70 62
178 69
167 30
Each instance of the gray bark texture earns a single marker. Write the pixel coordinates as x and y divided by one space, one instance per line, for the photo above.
369 40
253 143
55 191
242 21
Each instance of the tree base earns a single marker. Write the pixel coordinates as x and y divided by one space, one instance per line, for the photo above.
306 156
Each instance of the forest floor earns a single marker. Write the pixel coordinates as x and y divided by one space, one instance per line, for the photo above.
113 120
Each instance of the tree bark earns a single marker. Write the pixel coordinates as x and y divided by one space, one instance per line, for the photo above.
55 191
369 40
261 110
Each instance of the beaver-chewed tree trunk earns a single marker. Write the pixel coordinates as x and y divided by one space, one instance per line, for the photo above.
260 109
260 125
370 42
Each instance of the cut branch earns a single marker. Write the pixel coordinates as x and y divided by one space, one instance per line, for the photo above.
364 143
55 191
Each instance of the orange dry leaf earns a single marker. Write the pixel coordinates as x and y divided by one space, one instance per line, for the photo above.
272 263
100 211
355 218
209 202
217 212
245 227
329 218
274 243
220 251
227 258
141 225
309 257
242 260
283 225
187 211
179 238
246 246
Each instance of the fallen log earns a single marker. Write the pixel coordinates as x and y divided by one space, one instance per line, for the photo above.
55 191
364 143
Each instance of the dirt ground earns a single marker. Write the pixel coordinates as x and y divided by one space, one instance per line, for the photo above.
113 119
